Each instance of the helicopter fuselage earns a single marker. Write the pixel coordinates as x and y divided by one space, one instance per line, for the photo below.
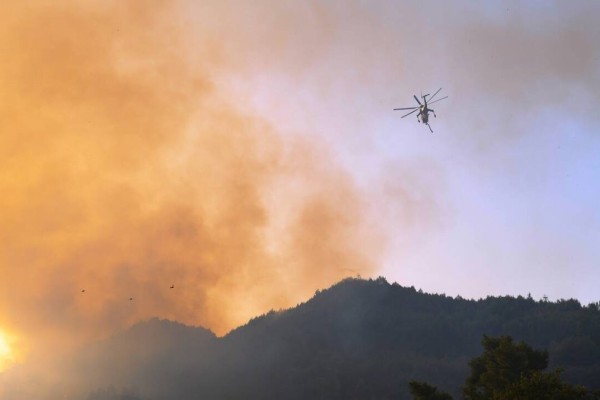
424 113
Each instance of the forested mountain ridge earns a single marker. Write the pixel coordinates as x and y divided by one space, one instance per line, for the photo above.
366 339
405 332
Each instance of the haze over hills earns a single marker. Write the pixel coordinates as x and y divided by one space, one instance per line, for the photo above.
358 339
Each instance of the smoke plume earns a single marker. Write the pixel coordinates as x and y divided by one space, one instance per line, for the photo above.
126 170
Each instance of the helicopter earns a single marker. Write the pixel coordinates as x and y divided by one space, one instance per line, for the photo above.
423 115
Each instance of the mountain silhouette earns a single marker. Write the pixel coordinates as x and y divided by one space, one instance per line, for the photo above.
359 339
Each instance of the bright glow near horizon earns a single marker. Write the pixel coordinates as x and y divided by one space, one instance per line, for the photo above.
6 356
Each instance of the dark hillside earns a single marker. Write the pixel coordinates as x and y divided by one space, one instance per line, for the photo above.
366 339
372 337
154 357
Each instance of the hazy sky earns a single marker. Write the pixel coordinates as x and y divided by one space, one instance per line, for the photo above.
247 152
502 198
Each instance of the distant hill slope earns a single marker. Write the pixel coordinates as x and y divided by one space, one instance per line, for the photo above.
359 339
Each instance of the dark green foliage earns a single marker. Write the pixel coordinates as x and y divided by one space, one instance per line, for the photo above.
543 386
424 391
509 371
501 365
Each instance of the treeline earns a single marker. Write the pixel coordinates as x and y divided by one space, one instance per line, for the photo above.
509 371
360 339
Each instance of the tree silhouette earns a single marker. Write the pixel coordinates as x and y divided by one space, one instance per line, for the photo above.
501 365
543 385
508 371
424 391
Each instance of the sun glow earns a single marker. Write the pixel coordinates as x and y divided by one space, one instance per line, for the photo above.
6 354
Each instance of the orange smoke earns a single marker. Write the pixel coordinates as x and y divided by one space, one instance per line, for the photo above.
125 170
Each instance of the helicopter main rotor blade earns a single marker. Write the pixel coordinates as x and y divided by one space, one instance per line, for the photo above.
438 100
416 98
406 108
406 115
431 98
